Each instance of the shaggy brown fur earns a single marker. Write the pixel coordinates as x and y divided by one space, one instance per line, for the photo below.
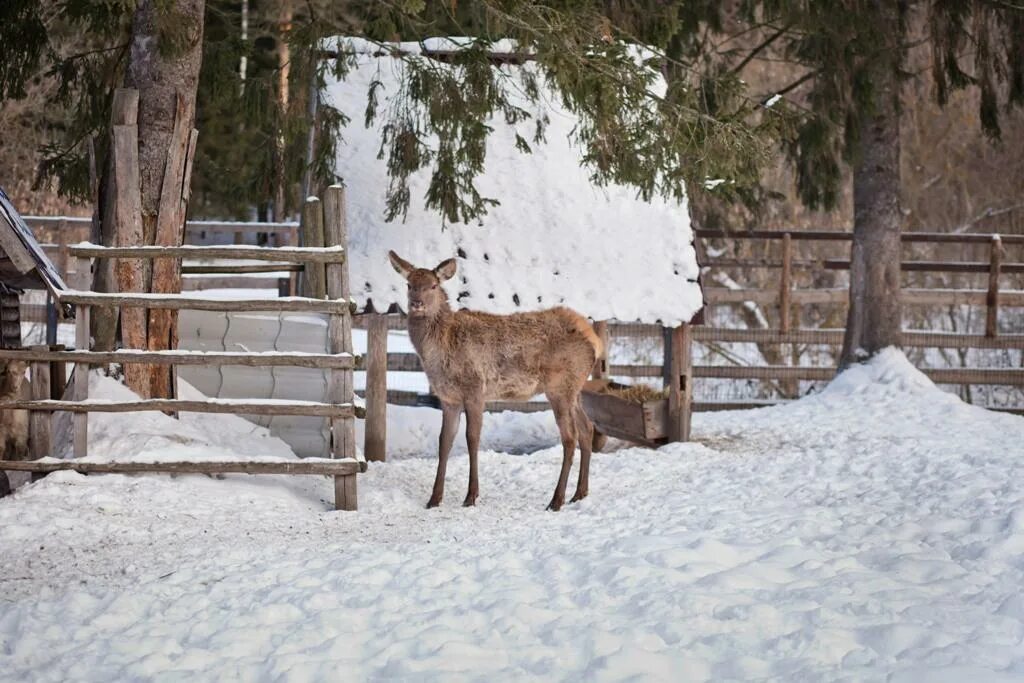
13 423
472 357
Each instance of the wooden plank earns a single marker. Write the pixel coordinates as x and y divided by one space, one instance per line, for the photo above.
80 422
992 300
313 236
404 362
600 370
611 413
202 283
212 406
993 376
934 266
13 248
128 232
216 269
301 466
680 387
834 337
375 435
274 359
838 235
191 251
923 297
290 304
161 333
340 385
39 432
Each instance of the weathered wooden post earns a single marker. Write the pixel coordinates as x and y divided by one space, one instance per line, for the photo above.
339 332
995 255
80 446
39 442
601 366
785 283
680 388
314 285
375 436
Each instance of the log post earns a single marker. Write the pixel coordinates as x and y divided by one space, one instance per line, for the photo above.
129 273
39 443
334 232
995 255
315 285
81 420
601 365
680 389
785 282
58 374
375 436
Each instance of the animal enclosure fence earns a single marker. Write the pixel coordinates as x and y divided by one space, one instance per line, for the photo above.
344 461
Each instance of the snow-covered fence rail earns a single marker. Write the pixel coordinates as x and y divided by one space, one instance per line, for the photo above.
345 461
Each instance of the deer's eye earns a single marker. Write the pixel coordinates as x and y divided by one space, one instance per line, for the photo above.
433 286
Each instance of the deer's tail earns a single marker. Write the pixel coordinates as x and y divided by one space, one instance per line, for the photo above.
588 332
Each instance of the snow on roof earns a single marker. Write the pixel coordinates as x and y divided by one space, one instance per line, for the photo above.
555 239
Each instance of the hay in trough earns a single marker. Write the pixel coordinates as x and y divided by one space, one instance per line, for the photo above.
636 393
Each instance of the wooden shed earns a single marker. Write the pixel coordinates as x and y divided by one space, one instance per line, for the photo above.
553 239
23 265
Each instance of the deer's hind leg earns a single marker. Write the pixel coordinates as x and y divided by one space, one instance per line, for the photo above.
585 436
474 423
449 428
567 429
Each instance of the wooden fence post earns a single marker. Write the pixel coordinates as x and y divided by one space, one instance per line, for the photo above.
315 285
81 420
601 366
995 255
785 282
39 441
680 389
375 436
334 232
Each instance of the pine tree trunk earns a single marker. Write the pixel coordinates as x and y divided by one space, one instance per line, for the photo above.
874 318
163 66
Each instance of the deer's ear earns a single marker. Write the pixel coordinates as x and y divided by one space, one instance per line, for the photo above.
445 269
401 266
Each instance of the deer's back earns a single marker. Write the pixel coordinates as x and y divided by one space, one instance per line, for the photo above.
510 356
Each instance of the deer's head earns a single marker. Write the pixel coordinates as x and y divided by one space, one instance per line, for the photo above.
426 297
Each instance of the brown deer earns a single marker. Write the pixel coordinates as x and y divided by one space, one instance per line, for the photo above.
472 357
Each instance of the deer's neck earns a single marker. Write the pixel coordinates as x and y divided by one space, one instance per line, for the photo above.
424 332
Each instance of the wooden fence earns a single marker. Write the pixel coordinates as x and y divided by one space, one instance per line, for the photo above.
47 363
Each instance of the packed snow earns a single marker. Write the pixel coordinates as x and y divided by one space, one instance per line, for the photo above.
555 235
874 531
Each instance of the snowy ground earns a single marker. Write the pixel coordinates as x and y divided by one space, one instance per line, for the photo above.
872 532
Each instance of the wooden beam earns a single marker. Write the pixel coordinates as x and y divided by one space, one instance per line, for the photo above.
212 269
601 365
680 388
211 405
80 422
992 300
842 235
39 431
301 466
270 359
189 251
375 436
786 283
175 301
315 285
340 385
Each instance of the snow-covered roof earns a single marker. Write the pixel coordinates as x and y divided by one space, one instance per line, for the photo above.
555 239
23 263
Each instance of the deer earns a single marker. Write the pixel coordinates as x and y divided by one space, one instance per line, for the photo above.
471 357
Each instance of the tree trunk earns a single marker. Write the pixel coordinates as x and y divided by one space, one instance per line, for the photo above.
284 27
163 66
874 318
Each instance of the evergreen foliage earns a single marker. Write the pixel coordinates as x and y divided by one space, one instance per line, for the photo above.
631 130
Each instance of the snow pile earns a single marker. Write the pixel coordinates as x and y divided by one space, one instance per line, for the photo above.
554 239
872 532
154 436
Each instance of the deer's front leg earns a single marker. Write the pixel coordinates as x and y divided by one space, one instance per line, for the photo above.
449 427
474 423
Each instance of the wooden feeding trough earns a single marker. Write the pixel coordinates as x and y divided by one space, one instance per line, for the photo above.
615 412
638 413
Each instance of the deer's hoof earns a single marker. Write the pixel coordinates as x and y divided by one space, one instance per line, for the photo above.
578 496
555 505
433 503
469 502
